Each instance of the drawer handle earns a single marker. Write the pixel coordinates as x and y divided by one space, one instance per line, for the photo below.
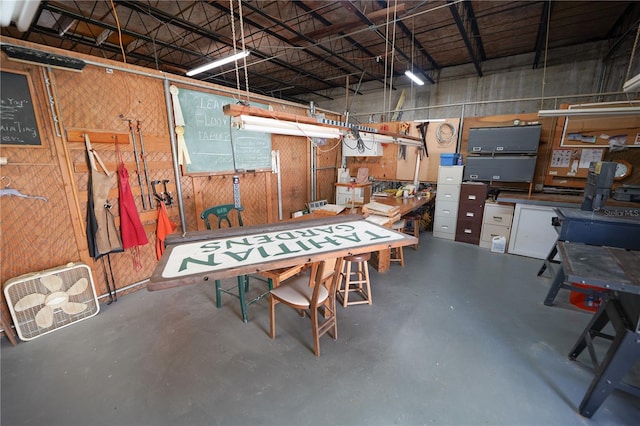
497 177
446 211
445 227
471 197
499 148
498 218
470 214
473 176
467 231
477 148
448 195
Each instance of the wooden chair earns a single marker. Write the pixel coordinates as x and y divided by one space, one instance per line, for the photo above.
222 214
313 295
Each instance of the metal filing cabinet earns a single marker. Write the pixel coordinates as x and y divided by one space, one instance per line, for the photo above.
470 210
496 222
447 198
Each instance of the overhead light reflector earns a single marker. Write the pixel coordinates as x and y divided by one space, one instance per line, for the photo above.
283 127
632 85
414 77
588 112
219 63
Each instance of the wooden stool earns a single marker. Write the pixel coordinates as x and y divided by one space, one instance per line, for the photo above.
397 255
361 278
414 220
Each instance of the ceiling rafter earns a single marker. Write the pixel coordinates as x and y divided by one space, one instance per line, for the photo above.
541 37
301 4
203 32
276 35
309 48
116 50
463 15
372 25
409 34
623 28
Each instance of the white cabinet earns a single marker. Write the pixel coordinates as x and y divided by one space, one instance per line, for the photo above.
496 222
447 199
532 234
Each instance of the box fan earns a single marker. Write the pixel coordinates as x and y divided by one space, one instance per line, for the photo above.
46 301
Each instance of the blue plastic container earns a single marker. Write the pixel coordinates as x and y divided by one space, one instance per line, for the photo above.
449 159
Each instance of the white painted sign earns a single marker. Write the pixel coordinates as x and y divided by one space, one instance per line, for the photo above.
225 253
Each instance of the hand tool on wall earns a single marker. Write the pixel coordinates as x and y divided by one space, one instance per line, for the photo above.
168 198
157 196
144 162
423 135
135 154
162 197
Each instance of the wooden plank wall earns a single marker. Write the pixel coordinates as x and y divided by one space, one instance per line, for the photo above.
100 101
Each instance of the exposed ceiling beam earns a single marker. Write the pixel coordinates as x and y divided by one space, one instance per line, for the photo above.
166 18
301 4
83 40
251 22
541 37
354 8
463 15
624 27
419 46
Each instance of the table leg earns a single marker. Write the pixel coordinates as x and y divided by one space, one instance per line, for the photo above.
599 320
381 260
549 259
555 287
620 358
243 302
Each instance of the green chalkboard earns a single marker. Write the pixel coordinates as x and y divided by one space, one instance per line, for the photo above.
213 145
18 125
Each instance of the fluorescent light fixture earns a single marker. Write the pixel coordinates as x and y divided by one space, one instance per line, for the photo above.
632 85
588 112
219 62
375 138
414 77
431 120
21 12
282 127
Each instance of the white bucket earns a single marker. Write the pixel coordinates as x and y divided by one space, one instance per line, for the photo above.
498 244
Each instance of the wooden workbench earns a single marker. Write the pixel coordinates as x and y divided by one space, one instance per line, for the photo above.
382 260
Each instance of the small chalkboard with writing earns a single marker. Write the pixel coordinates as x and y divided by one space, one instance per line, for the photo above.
18 125
213 145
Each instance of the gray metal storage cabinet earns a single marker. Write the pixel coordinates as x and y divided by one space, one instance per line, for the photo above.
504 140
505 168
502 153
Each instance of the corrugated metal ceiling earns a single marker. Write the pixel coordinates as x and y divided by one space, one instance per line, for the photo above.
308 46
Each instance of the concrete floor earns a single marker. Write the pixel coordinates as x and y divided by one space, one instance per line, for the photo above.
459 336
